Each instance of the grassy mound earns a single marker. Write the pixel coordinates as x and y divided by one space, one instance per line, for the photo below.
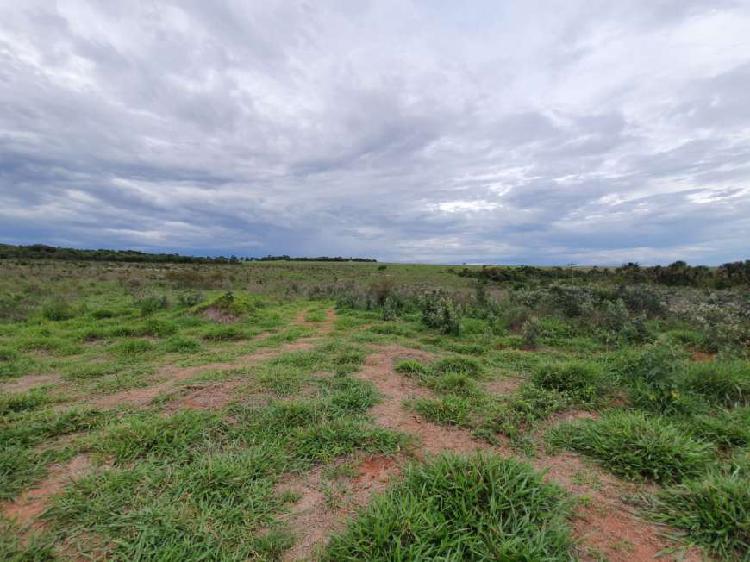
636 446
715 512
459 508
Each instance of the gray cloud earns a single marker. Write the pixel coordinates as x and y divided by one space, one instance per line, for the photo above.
537 132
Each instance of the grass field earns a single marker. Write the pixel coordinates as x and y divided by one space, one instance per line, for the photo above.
364 411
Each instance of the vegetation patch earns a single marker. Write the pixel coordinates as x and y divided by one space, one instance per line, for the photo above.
459 508
637 446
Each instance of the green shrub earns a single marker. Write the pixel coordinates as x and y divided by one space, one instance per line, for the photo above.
440 312
459 508
722 383
636 446
149 305
579 379
714 512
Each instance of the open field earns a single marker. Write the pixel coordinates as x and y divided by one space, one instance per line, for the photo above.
362 411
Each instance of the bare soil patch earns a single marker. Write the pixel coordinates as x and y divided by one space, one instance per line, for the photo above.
604 525
506 385
27 382
312 520
205 397
390 412
28 506
173 375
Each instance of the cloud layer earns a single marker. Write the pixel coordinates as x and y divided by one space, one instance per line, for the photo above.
551 131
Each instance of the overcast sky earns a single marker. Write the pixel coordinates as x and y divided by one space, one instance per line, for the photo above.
539 132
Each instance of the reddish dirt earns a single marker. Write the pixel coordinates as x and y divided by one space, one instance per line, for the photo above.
390 412
506 385
605 525
172 375
323 328
312 521
28 382
702 357
27 507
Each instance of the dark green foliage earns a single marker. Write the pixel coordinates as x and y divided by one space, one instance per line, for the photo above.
457 508
634 445
714 512
58 311
10 403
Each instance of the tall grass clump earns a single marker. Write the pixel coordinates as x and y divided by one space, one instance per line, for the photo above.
720 383
581 380
459 508
636 446
714 512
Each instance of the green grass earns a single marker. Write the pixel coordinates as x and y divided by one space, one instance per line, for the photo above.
581 380
714 512
637 446
458 508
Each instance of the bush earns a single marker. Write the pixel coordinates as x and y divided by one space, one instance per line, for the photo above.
440 312
653 377
579 379
636 446
149 305
714 512
459 508
722 383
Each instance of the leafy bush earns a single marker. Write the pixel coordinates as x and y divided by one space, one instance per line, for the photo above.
653 377
458 508
440 312
579 379
149 305
641 299
190 299
714 512
634 445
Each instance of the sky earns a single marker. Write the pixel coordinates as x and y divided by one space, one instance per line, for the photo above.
536 132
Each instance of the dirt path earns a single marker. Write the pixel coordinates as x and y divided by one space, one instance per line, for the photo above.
391 413
29 505
604 524
27 382
311 521
172 375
